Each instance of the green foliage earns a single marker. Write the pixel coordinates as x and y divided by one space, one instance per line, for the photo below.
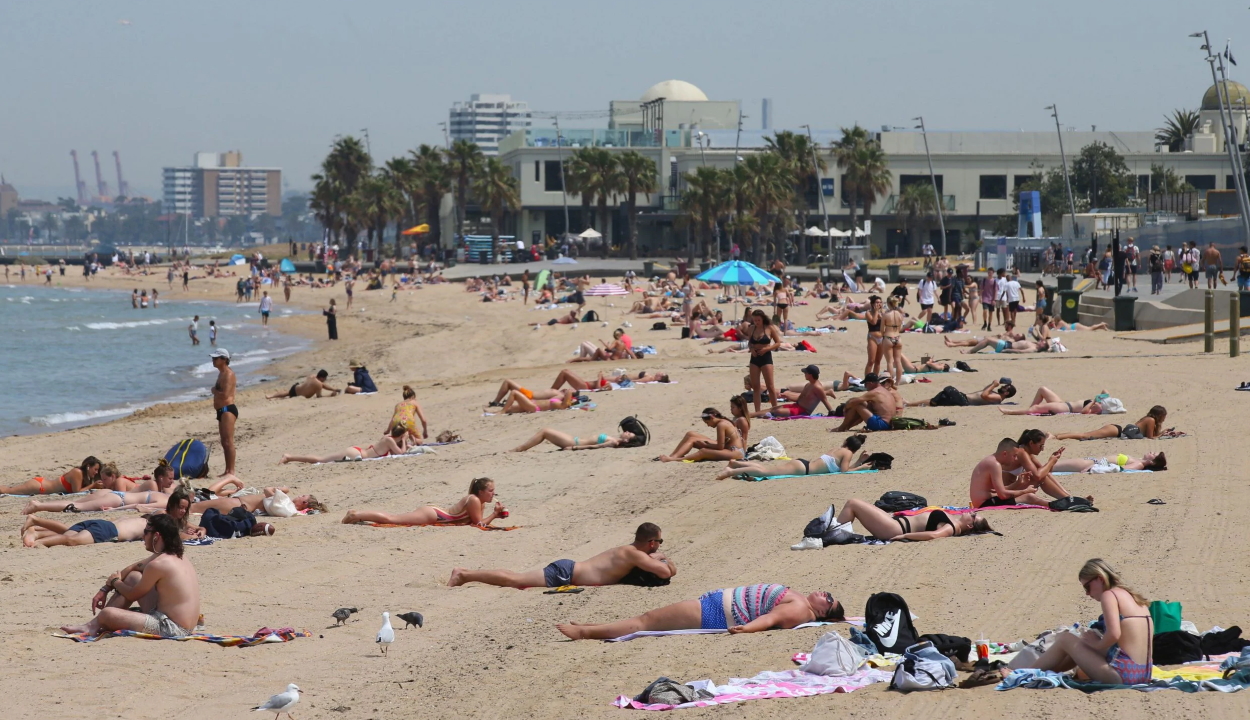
1165 180
867 174
1177 128
1100 174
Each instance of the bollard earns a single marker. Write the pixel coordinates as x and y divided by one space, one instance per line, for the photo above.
1234 324
1208 322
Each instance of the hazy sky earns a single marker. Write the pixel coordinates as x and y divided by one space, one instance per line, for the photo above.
278 79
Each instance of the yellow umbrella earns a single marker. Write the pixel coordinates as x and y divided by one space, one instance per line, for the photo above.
417 230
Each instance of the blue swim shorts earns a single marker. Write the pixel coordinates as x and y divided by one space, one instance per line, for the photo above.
876 423
559 573
102 531
712 609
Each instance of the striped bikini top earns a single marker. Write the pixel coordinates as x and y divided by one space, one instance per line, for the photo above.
752 601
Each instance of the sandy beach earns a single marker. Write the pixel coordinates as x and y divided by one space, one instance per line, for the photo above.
493 652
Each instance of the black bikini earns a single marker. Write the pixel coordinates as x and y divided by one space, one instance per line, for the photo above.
873 326
937 519
766 358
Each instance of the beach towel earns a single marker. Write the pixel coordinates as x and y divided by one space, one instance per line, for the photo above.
768 684
479 527
665 633
264 635
783 477
1170 680
960 510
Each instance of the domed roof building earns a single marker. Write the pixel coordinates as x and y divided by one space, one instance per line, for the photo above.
1235 95
672 105
677 91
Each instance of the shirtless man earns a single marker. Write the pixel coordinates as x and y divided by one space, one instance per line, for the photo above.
989 489
607 568
570 319
875 408
1213 263
312 386
811 394
223 403
164 585
993 394
38 532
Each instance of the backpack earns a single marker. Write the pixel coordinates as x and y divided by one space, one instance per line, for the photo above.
1243 264
1072 504
829 531
881 461
189 459
661 325
923 668
590 316
898 501
834 656
887 622
905 423
633 425
952 646
237 523
949 397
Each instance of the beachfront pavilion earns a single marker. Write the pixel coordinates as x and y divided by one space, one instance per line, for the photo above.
976 171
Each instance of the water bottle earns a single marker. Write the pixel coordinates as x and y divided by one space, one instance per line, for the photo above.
983 649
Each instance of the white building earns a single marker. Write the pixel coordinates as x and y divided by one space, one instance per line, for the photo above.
486 119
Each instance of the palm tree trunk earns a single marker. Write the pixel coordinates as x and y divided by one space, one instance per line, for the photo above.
603 220
495 219
632 225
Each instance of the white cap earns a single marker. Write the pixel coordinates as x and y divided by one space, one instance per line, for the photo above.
220 353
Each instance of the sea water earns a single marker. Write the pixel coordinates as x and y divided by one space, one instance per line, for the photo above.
72 357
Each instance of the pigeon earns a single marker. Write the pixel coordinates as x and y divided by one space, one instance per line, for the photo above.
282 702
386 635
412 618
341 615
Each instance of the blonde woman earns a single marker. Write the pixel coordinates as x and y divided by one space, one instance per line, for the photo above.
892 341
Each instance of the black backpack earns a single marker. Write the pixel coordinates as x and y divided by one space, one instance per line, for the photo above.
949 397
952 646
590 316
633 425
1176 647
897 501
1072 504
887 622
661 325
881 461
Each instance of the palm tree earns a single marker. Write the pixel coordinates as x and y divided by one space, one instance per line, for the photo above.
400 174
604 181
916 208
578 178
867 176
325 202
465 160
639 175
378 203
498 192
434 176
767 190
797 154
706 198
1177 129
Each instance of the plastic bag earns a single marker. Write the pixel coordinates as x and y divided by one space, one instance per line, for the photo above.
280 505
834 656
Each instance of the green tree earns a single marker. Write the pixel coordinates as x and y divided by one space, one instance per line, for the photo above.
345 167
916 208
1165 180
579 179
801 161
498 192
705 198
867 175
603 182
1053 192
639 175
1177 128
466 163
434 176
377 203
1100 174
767 188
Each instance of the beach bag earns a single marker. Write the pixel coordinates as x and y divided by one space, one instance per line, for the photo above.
1224 641
1073 503
887 622
1176 647
1166 616
590 316
280 505
923 668
189 459
769 448
827 529
949 397
670 692
238 523
954 647
834 656
904 423
661 325
633 425
898 501
881 461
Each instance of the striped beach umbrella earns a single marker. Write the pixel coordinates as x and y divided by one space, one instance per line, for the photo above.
738 272
606 290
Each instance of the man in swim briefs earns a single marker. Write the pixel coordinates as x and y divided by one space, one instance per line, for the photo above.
875 408
223 404
812 394
609 567
164 585
311 387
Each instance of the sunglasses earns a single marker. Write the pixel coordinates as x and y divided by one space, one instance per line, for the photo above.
1087 583
659 541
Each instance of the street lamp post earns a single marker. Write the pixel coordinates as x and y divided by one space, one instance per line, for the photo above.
820 192
1063 157
1229 136
937 195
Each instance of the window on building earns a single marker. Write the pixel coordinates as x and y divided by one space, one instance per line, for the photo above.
905 180
993 187
1201 182
1018 180
537 171
554 178
1143 185
846 196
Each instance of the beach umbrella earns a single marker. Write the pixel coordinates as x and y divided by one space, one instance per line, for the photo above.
814 231
237 259
738 272
834 232
286 266
605 290
417 230
590 234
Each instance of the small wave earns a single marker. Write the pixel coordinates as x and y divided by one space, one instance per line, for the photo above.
132 324
208 369
73 328
76 417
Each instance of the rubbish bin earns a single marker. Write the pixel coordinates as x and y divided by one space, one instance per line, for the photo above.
648 269
704 265
893 269
1065 281
1245 303
1124 312
1070 305
681 269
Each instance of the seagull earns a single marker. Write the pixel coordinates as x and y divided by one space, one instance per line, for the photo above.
412 618
386 635
340 616
282 702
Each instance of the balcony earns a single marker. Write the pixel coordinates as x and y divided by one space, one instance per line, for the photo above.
891 204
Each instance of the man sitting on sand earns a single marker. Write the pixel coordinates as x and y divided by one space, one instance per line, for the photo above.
875 408
610 567
164 585
312 386
812 394
989 489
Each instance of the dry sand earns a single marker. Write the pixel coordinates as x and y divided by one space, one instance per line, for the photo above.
494 652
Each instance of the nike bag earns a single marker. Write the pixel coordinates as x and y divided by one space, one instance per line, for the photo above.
189 459
887 622
834 656
923 668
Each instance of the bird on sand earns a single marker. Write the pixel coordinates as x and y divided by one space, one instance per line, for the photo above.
341 615
412 618
282 702
386 635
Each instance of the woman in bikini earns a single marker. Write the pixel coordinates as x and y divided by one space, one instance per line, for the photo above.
519 403
84 477
252 503
873 316
1148 428
116 491
1058 324
467 511
1155 462
741 418
838 461
1111 656
891 341
406 413
762 338
752 608
696 446
1047 402
603 382
783 298
396 443
932 525
564 441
